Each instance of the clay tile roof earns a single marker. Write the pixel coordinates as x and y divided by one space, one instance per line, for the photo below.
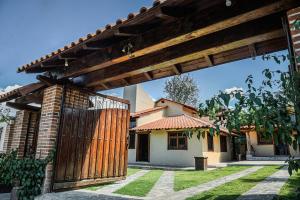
90 36
147 111
176 122
21 91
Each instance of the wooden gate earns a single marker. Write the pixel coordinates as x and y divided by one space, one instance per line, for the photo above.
92 143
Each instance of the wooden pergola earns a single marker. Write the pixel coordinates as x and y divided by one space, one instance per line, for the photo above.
89 130
172 37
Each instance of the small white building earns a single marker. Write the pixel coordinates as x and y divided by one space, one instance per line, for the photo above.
157 135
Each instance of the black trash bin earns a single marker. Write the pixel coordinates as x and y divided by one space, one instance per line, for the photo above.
200 163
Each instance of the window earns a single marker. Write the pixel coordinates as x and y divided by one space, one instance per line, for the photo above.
177 141
263 139
210 142
132 123
131 140
223 143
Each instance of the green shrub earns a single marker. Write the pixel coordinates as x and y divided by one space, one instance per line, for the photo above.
28 173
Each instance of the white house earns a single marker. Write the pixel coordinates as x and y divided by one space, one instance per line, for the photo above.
157 133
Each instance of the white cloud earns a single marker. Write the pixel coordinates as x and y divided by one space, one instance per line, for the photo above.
3 105
9 88
233 89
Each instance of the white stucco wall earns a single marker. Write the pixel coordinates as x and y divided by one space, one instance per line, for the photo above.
267 149
174 109
160 155
150 117
139 99
216 156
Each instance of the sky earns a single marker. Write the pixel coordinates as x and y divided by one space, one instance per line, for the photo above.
33 28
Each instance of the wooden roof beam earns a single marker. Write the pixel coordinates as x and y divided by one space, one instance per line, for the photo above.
209 59
20 106
225 24
177 69
192 56
104 86
148 75
126 81
252 50
31 98
86 47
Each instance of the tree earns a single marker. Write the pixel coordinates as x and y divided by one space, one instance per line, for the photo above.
5 113
182 89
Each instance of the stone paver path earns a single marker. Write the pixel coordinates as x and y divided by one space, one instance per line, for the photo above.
5 196
269 188
189 192
114 187
80 195
163 186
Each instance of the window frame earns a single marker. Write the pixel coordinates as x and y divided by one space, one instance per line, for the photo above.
223 146
212 149
177 137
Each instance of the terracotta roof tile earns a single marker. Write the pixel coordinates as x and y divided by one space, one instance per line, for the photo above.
147 111
176 122
91 35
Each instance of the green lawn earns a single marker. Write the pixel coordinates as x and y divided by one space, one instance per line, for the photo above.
187 179
130 171
234 189
291 190
142 186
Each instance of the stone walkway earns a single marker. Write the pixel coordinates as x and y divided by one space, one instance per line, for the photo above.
269 188
183 194
163 186
114 187
4 196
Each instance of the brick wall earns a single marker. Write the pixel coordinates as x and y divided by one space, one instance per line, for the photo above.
8 136
48 129
294 15
20 131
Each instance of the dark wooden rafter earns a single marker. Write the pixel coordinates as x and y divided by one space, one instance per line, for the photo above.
106 61
192 50
177 69
21 106
148 76
31 98
252 50
220 58
48 81
209 59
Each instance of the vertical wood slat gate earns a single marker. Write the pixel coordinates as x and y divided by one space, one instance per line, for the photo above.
92 142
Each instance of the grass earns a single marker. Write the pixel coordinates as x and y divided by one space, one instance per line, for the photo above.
291 189
187 179
234 189
130 171
142 186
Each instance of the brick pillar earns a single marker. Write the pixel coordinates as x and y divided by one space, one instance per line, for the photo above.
20 132
294 15
48 130
8 136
